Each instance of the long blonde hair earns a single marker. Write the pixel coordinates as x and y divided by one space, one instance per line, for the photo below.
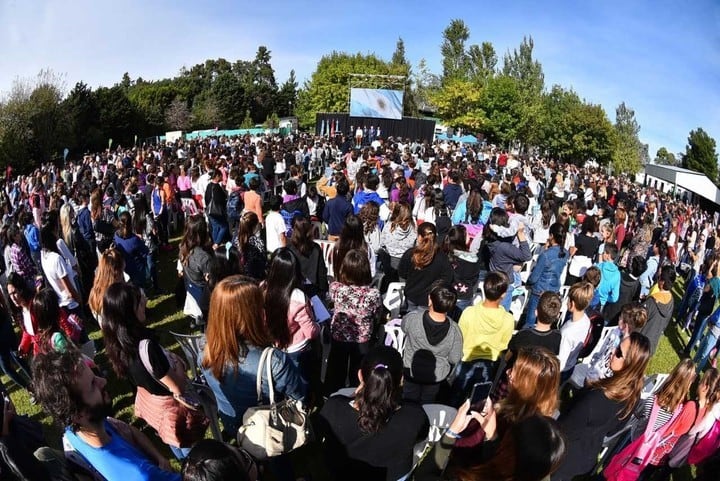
66 214
676 387
109 271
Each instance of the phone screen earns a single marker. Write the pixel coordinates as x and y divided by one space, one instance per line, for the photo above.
480 392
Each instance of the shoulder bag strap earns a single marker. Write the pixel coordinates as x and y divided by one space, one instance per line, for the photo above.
144 352
258 379
268 366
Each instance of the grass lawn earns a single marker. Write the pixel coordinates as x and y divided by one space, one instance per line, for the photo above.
164 316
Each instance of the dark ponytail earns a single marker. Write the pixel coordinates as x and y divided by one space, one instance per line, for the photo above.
381 391
558 234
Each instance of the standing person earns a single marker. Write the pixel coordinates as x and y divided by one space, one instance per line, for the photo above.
216 208
79 247
598 410
660 306
20 297
371 435
545 276
124 330
289 318
133 250
251 249
423 265
159 204
111 269
351 237
20 261
69 390
237 336
399 234
353 322
310 256
337 210
253 199
503 254
542 333
195 259
433 346
274 226
84 219
58 272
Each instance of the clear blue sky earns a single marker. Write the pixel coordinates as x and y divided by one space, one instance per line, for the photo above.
661 57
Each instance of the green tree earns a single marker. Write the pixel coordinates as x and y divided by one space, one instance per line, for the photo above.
628 152
247 122
287 96
502 106
572 130
327 89
83 120
663 157
118 116
482 62
454 56
400 66
424 84
398 57
521 66
700 154
459 103
228 94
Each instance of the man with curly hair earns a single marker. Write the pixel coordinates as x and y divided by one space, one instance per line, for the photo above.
71 392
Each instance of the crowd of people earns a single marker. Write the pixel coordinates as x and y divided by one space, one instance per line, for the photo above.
360 287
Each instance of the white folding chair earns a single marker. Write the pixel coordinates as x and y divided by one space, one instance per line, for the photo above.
480 295
563 275
191 345
189 207
327 249
527 269
394 298
440 418
394 335
652 384
517 306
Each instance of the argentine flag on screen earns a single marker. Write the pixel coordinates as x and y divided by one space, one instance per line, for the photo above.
376 103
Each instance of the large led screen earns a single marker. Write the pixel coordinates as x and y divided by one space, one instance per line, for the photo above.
376 103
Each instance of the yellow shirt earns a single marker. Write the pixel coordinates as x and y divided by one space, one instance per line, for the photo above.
486 332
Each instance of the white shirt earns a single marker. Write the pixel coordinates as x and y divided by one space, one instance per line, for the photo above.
55 268
274 228
574 334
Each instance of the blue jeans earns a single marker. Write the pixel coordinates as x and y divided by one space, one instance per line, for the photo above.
507 300
219 230
180 453
706 346
697 332
531 306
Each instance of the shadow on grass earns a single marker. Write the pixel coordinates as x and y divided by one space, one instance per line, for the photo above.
674 335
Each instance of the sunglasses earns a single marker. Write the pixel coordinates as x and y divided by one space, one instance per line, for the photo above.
618 353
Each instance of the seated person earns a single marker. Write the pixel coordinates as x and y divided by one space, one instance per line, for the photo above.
68 390
547 313
372 435
575 331
211 460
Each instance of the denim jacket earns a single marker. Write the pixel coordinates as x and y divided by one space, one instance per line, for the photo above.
235 391
545 276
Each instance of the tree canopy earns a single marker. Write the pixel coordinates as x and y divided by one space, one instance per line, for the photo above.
700 154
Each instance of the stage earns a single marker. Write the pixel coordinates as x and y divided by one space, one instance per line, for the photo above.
327 124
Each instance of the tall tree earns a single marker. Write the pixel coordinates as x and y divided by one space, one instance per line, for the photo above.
177 115
425 83
700 154
459 104
482 62
83 120
521 66
663 157
327 88
454 57
627 156
398 56
502 106
287 96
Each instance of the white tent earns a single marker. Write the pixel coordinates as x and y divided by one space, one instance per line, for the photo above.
666 177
